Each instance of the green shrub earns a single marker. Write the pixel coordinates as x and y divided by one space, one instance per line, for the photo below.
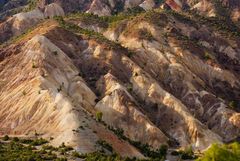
98 156
62 145
76 154
207 56
49 147
26 141
175 153
158 1
145 149
17 151
55 53
15 139
233 104
5 138
59 89
105 145
34 65
130 88
99 116
163 150
187 154
32 4
218 152
118 132
38 142
68 148
61 159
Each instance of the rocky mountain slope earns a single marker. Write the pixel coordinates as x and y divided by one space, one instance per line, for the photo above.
154 74
210 8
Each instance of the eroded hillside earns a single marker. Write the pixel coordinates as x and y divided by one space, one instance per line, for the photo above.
138 80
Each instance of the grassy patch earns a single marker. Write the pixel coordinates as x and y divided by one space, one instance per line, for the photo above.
16 149
89 33
217 152
32 4
145 149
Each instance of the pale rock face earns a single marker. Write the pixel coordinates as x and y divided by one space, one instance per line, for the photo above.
213 73
50 98
220 75
235 14
208 8
225 126
147 4
99 8
132 3
183 73
196 132
22 21
119 110
52 10
186 129
19 23
48 111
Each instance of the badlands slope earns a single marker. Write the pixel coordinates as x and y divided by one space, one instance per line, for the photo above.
158 76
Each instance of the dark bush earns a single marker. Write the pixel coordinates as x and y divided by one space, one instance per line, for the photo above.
105 145
5 138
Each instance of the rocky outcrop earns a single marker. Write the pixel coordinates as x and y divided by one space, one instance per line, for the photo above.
121 111
216 8
101 7
21 22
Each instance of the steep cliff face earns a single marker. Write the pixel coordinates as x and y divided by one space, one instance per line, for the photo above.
145 76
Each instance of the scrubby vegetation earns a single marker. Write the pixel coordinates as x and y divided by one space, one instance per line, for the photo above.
64 150
217 152
105 21
32 4
221 10
158 1
185 154
23 150
88 19
89 33
233 104
18 149
98 156
99 116
5 138
38 149
207 56
105 145
145 149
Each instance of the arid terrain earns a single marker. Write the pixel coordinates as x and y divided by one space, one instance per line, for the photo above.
139 75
